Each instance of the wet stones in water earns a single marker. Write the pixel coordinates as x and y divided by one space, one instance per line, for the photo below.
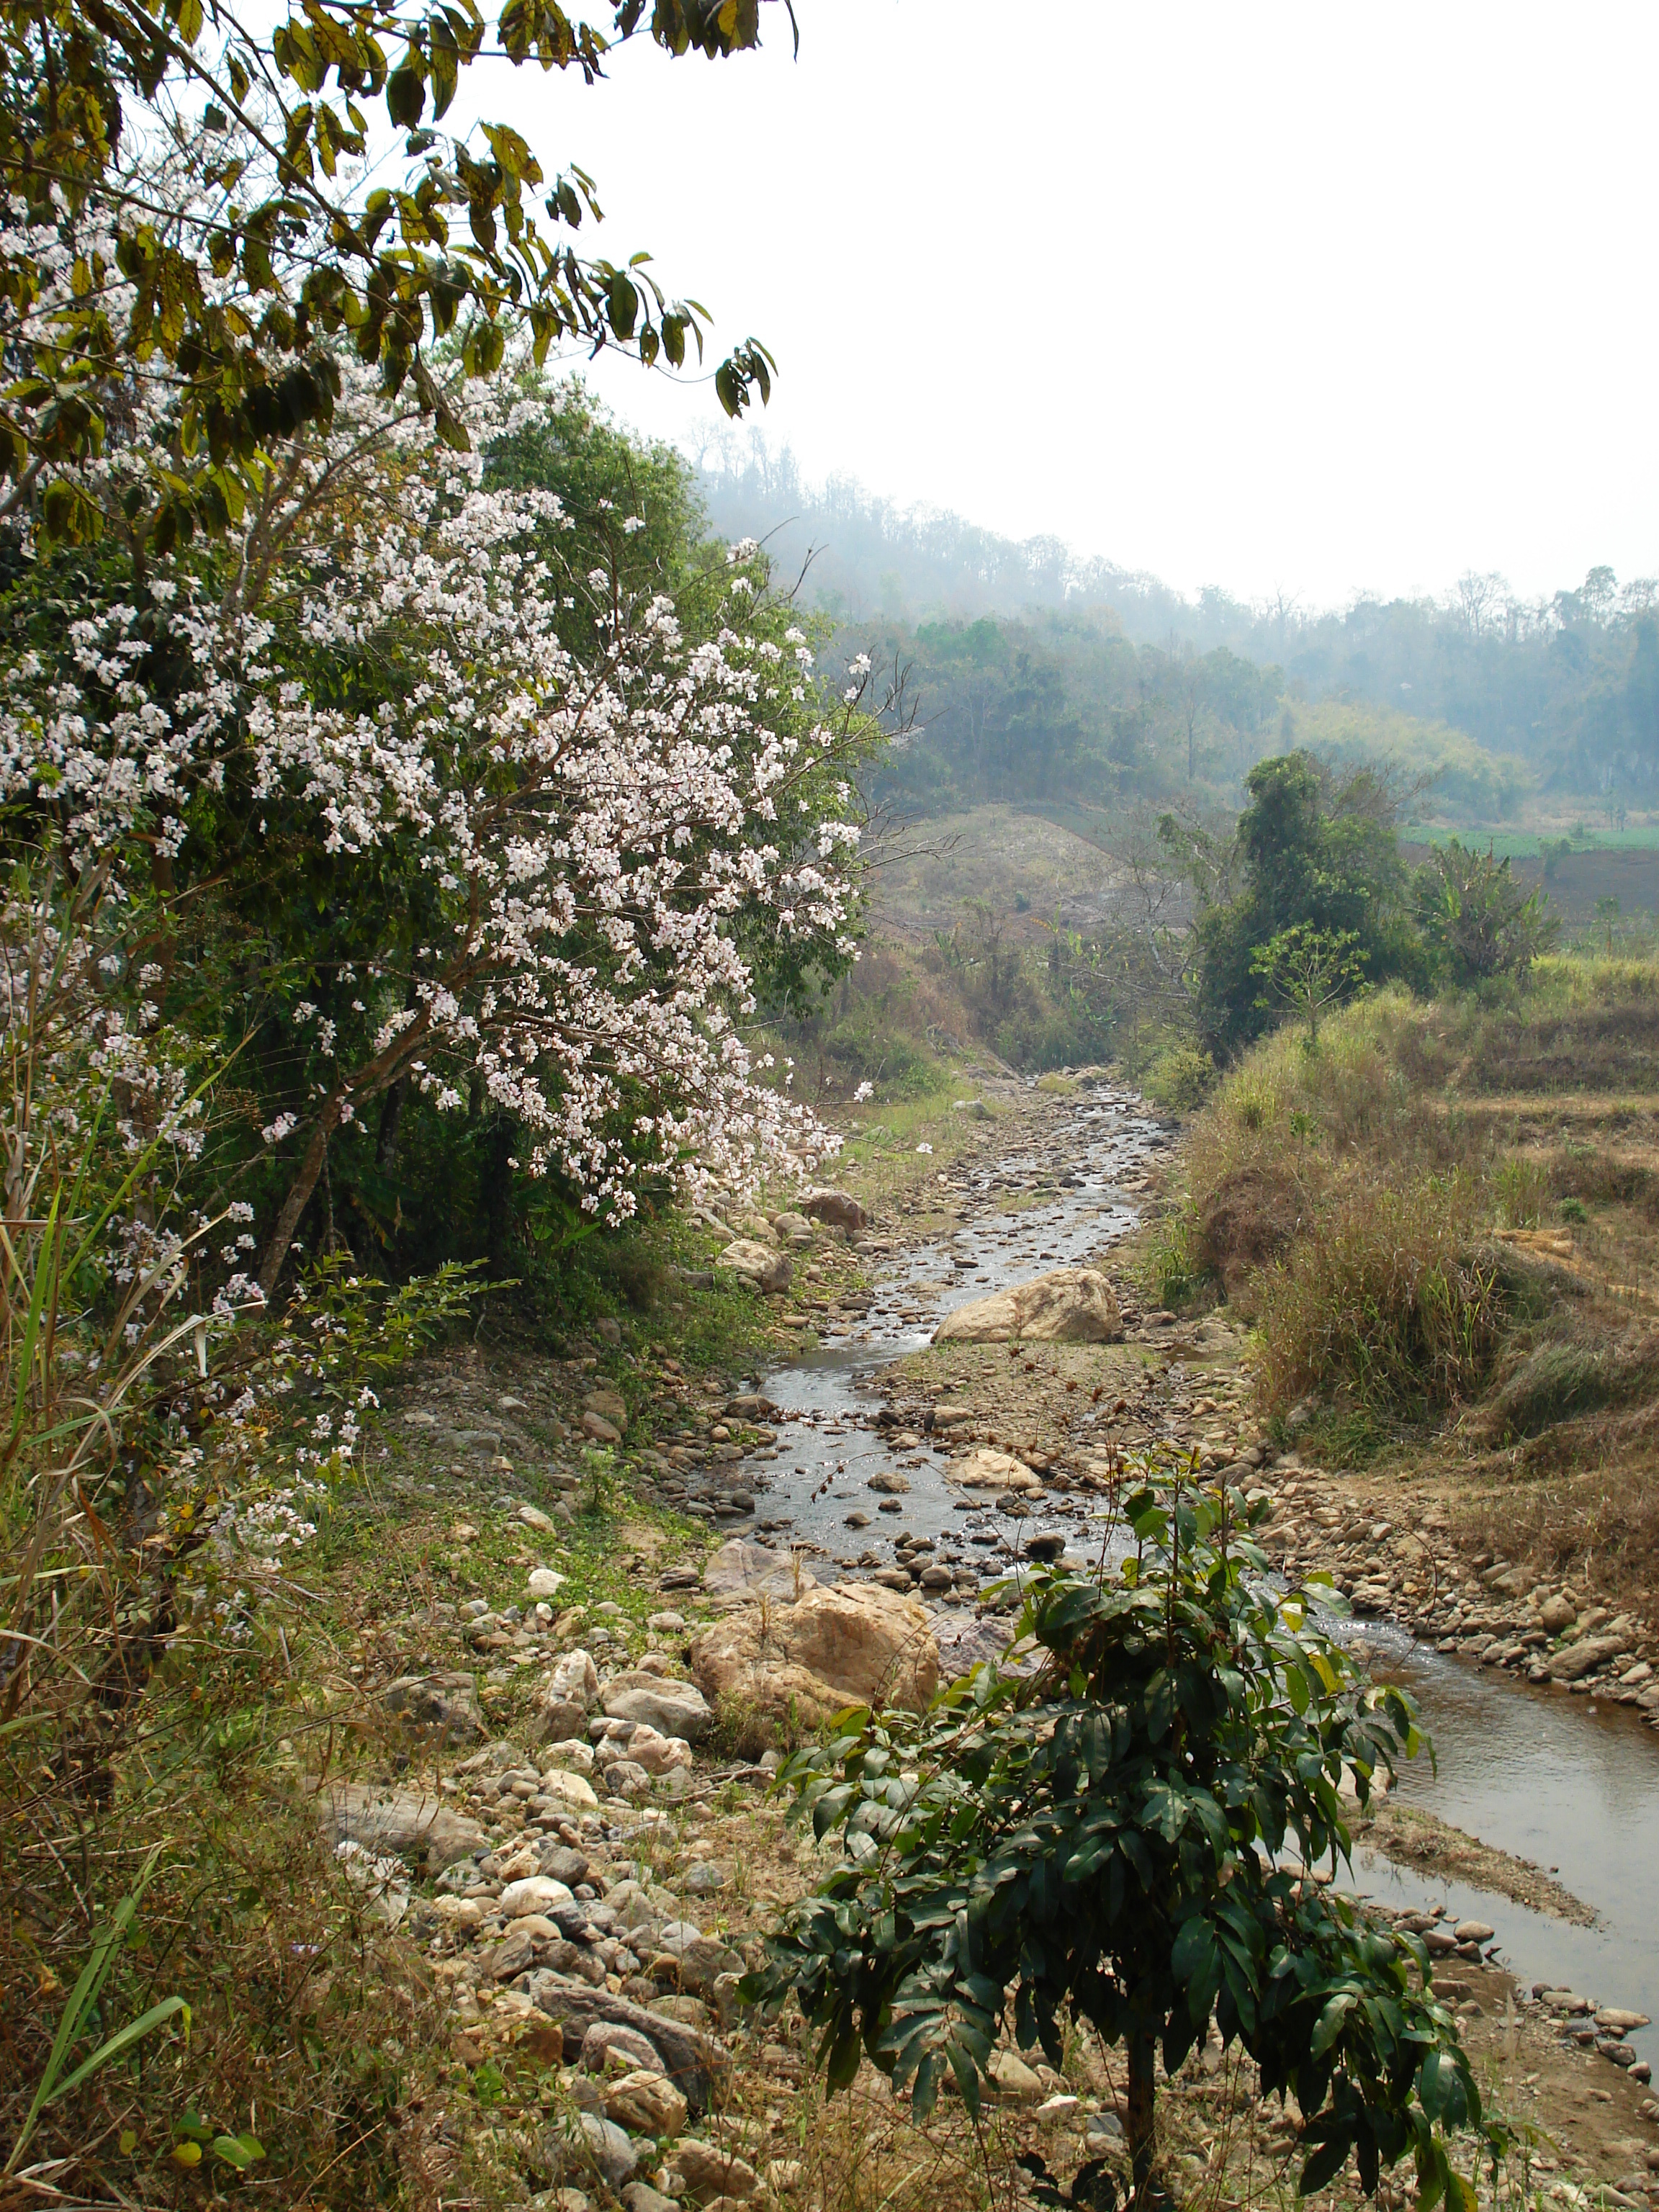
890 1506
1046 1549
860 1519
888 1485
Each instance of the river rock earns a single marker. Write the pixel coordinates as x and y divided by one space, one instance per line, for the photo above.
532 1892
1621 2022
1068 1305
570 1789
403 1821
593 2140
852 1645
1013 2078
599 1431
756 1263
694 2061
838 1208
1574 1660
673 1709
985 1468
793 1228
544 1582
709 2172
640 2197
748 1570
658 1754
647 2103
610 1405
575 1678
606 2036
561 1720
703 1961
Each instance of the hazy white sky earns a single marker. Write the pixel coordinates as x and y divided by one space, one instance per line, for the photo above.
1287 295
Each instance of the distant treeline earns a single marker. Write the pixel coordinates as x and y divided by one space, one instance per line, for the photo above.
1569 684
1063 709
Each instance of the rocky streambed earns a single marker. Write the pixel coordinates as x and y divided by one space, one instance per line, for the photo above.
595 1875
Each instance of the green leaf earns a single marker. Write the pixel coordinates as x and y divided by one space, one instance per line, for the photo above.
1326 2163
405 96
241 2151
1330 2023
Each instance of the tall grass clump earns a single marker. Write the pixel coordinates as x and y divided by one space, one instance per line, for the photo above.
1386 1299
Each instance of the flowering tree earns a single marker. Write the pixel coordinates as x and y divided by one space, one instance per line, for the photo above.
587 857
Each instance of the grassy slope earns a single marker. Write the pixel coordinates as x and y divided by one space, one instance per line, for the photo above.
1446 1224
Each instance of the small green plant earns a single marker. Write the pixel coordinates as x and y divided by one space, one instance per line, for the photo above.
83 2004
599 1463
1105 1837
1305 971
1573 1209
1174 1264
1179 1078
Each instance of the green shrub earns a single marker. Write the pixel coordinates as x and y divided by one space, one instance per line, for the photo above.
1179 1078
1174 1265
1099 1838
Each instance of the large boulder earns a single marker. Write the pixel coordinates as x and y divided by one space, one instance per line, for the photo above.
1068 1305
672 1709
694 2061
403 1821
757 1263
986 1469
1575 1661
838 1208
744 1571
856 1645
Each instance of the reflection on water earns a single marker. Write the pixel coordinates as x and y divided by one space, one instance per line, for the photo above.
1536 1773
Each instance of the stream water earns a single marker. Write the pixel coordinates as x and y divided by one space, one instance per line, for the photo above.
1533 1772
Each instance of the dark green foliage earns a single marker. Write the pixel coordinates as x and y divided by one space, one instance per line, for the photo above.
1106 1837
1316 852
1476 920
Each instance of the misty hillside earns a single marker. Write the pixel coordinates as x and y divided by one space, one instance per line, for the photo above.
1568 684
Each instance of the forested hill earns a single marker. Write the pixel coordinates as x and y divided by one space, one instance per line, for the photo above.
1064 710
1569 684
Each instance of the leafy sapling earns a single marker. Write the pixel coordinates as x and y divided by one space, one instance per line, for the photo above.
1124 1836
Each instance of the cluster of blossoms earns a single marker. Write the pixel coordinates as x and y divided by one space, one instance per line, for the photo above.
596 829
373 665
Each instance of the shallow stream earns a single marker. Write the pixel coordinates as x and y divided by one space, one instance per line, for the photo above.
1533 1772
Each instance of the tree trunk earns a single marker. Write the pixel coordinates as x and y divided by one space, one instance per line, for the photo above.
1139 2130
385 1143
299 1196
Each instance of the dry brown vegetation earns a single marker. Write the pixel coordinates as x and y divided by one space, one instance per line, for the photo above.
1444 1223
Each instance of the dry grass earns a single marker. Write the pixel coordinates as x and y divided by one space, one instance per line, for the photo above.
1450 1213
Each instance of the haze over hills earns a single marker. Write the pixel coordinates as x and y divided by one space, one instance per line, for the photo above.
1567 684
